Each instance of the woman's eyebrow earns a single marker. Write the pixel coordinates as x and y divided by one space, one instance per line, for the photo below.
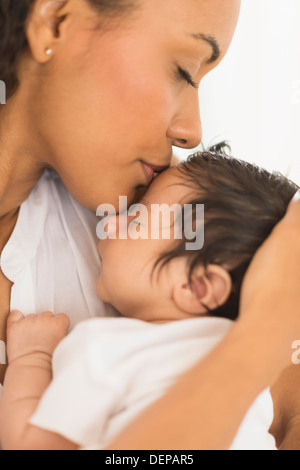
212 42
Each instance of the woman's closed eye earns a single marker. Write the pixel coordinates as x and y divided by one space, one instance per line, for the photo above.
187 77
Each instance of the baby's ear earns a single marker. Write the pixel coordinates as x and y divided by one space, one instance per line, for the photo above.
210 288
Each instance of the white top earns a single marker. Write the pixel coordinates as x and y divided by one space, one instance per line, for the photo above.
108 370
51 257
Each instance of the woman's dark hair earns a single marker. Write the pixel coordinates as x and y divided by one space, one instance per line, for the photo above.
13 42
242 203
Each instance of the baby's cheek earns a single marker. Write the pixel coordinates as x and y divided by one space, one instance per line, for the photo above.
100 289
103 284
111 273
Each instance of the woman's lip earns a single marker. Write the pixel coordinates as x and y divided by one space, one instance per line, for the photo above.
149 170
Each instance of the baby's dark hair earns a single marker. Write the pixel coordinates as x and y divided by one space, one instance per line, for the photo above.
243 203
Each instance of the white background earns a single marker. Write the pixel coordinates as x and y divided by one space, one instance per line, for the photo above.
253 98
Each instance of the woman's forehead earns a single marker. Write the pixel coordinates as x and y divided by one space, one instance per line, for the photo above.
195 18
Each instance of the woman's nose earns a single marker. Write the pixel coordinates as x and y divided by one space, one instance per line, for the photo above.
185 130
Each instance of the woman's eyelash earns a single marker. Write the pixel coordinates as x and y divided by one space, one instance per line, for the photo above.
184 74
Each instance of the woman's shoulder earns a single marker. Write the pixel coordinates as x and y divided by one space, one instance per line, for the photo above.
50 217
51 257
54 193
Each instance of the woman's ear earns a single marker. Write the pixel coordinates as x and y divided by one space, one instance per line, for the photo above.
42 27
210 288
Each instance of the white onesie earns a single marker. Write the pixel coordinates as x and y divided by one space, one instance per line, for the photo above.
51 257
108 370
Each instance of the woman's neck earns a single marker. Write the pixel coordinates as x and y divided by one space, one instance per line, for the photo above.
7 225
19 169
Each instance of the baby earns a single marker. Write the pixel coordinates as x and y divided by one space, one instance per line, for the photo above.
177 305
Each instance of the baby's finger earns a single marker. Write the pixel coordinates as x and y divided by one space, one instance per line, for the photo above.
47 314
64 319
14 317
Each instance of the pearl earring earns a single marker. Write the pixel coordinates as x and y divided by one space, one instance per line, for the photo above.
48 51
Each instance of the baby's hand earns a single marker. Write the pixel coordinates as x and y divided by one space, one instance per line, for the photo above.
34 333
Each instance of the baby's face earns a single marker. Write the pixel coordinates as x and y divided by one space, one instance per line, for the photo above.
126 278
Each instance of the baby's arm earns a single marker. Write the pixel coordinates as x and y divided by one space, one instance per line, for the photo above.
31 342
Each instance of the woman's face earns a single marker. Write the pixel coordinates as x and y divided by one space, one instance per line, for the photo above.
108 99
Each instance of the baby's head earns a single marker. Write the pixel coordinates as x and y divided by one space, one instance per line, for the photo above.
160 280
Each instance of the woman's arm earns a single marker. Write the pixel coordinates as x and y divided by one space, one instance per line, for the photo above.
205 408
286 398
291 439
30 345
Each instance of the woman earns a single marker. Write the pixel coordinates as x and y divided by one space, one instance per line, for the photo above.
100 91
